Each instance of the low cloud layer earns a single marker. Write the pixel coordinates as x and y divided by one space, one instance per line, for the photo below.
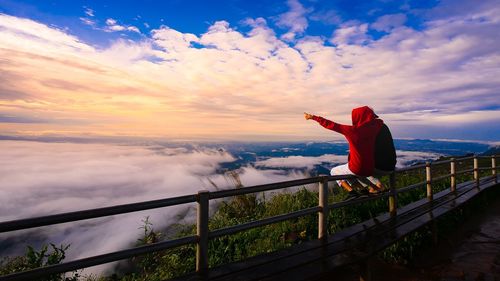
228 83
39 179
41 175
404 158
301 161
43 178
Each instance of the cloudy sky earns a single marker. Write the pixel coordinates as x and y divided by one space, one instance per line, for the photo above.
247 70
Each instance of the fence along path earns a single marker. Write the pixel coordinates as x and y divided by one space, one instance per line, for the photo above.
305 261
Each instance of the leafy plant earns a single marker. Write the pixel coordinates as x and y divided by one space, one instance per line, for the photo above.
35 259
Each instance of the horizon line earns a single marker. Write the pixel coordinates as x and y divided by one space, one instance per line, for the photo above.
104 138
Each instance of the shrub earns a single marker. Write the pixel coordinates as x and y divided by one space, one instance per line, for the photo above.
35 259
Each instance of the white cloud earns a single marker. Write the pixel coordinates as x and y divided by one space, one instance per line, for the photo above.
250 176
133 28
127 52
406 158
301 161
110 21
172 40
89 12
14 29
295 20
88 21
113 26
259 43
328 17
388 22
351 32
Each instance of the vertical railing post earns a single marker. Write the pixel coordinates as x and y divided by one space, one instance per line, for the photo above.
323 213
202 232
392 195
476 171
453 176
428 180
494 168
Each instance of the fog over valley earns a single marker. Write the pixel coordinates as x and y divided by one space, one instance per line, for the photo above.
42 178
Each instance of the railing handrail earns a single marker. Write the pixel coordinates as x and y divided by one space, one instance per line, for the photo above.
140 206
274 186
27 223
93 213
435 163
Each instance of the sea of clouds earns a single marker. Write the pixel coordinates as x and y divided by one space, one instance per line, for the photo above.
40 178
43 178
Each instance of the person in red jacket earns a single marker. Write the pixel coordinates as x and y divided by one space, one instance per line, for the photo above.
361 137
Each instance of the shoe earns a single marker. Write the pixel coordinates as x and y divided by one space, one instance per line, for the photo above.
352 195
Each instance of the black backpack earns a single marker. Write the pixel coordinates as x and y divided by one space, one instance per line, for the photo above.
385 153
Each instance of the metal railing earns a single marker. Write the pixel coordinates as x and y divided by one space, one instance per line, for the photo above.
203 234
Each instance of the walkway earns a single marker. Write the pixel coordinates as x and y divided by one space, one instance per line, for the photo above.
469 252
315 260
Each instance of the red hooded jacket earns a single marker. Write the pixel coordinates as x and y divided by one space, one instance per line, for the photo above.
361 137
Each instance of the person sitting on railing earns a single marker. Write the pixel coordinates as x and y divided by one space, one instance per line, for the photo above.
364 159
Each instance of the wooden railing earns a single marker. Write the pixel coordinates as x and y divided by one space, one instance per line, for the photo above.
202 198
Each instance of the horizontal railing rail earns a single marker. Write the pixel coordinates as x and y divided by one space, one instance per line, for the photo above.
261 188
204 234
94 213
263 222
465 171
34 274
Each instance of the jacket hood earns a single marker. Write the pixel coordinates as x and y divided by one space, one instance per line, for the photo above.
362 115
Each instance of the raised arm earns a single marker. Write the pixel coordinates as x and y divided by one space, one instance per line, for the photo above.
330 125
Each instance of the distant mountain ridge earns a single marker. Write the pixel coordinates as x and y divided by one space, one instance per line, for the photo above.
492 151
420 149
